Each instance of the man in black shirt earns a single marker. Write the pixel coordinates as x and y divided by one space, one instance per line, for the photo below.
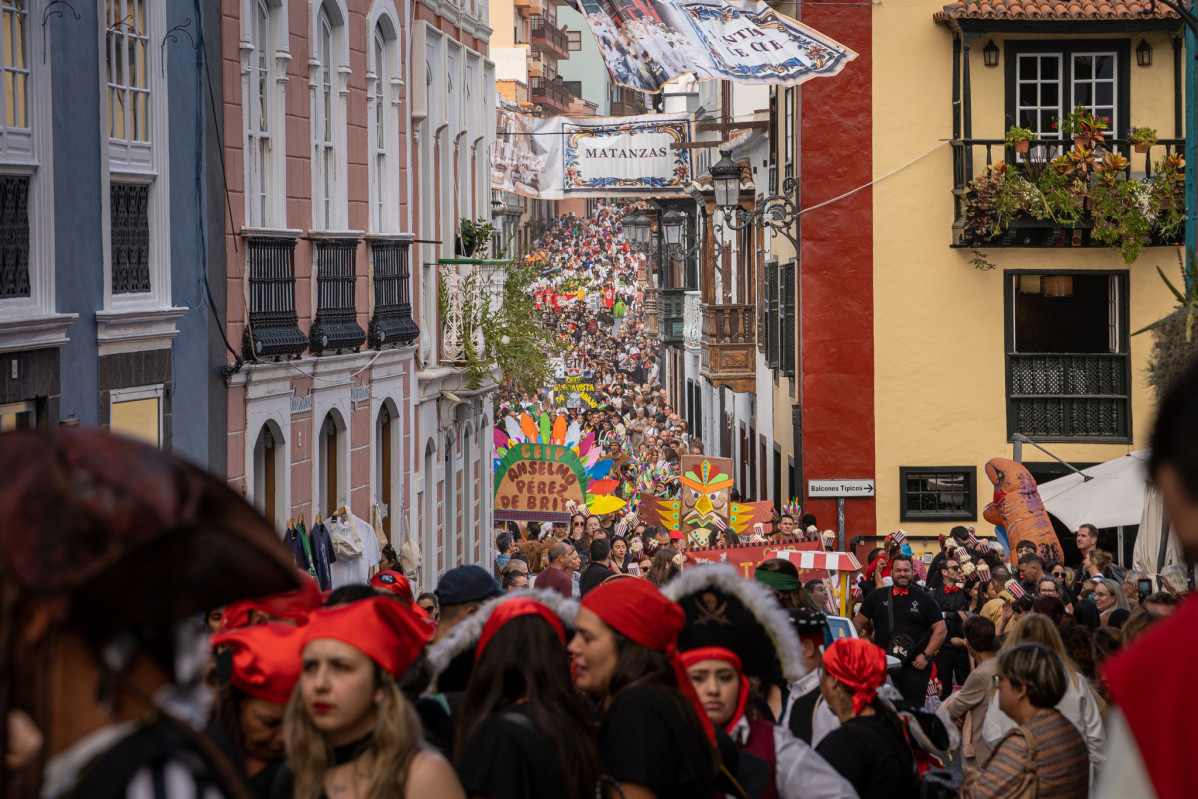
600 567
915 634
957 537
952 661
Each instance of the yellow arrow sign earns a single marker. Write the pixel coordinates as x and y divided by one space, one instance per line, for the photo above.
585 397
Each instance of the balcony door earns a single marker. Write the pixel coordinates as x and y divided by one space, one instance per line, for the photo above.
1068 370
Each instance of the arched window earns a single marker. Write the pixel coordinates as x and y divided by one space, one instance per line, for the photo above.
332 466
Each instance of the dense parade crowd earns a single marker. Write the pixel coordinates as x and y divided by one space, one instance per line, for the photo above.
159 641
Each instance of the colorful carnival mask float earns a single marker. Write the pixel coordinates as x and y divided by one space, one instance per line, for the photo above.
1017 509
705 505
545 468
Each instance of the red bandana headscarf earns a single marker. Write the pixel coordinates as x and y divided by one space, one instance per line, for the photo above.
693 656
506 611
290 605
636 609
390 634
266 659
858 664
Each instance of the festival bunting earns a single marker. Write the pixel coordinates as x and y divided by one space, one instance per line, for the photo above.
560 157
647 43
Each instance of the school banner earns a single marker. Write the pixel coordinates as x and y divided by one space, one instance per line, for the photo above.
556 158
647 42
534 482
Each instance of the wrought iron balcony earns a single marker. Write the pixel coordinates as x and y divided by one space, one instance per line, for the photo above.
391 324
670 315
548 36
549 93
336 324
729 346
1052 397
273 329
1035 220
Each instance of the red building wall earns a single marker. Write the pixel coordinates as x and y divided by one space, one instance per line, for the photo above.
836 262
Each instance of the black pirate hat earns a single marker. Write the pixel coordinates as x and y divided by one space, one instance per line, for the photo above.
723 609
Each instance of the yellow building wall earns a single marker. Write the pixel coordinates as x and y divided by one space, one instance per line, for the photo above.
502 23
939 322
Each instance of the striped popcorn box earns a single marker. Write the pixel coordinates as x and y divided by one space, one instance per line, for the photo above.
621 528
1015 589
973 541
962 555
719 523
984 571
898 536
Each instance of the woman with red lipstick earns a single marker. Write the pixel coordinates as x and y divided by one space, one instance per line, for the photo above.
652 739
350 732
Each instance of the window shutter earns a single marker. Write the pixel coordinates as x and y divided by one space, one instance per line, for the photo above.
771 314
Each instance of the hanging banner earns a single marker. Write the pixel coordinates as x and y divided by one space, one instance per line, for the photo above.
646 43
560 157
533 482
745 558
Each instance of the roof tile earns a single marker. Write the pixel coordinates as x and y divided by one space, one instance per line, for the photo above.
1053 10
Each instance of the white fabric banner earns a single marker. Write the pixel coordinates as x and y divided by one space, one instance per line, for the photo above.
647 42
554 158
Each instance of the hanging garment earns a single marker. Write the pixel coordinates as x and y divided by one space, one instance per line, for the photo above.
323 555
306 541
296 545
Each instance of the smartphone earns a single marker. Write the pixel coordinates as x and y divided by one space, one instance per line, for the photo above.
1144 586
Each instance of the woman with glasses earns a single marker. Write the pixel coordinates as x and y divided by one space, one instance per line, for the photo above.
1045 749
1077 703
1111 602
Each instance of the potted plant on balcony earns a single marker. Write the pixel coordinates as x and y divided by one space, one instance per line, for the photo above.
1168 186
996 198
474 237
1019 138
1124 210
1085 127
1142 138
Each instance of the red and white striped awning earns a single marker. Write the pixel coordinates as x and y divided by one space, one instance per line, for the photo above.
829 561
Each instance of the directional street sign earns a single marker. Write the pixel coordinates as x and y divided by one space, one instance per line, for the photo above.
840 488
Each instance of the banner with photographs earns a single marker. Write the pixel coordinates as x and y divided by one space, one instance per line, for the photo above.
646 42
555 158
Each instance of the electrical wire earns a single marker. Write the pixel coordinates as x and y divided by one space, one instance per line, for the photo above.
891 173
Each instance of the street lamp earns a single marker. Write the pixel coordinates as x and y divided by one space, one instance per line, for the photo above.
636 230
674 227
778 212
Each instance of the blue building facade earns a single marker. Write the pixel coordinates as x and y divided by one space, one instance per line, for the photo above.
105 212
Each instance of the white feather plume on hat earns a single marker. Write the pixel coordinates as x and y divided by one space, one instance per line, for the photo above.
464 637
757 599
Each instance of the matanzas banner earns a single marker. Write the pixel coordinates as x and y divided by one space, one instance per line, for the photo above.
647 42
560 157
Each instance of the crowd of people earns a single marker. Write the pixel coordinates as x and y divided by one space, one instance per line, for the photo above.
157 639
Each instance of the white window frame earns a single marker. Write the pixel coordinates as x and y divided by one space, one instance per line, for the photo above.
1067 84
146 163
330 208
30 153
384 86
266 151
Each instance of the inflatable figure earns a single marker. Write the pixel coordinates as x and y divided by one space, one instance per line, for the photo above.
705 504
1017 508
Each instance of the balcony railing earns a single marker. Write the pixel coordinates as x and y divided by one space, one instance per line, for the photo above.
670 311
273 329
729 351
391 324
335 326
467 291
1055 397
548 92
624 102
548 36
973 157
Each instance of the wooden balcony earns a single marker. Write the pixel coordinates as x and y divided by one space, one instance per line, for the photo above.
548 37
550 94
729 346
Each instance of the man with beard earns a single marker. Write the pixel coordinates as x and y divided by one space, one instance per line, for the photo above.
908 625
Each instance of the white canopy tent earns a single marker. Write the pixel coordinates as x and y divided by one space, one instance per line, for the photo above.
1112 497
